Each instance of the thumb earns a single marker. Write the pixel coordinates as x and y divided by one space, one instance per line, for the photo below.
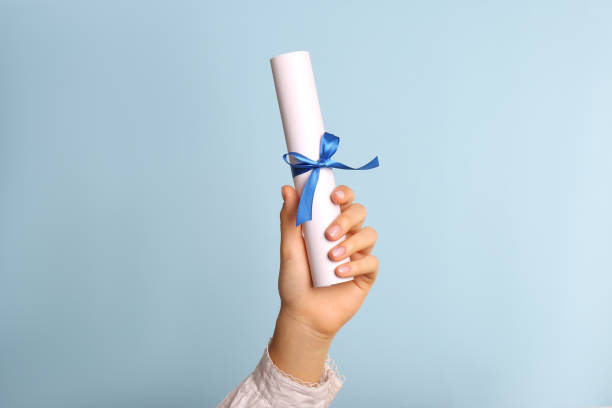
292 244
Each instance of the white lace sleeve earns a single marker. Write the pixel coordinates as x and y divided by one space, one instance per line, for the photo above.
268 386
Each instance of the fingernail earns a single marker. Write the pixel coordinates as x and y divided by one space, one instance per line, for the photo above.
334 231
343 269
283 192
339 194
337 251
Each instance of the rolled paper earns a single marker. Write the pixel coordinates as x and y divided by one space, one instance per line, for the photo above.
303 125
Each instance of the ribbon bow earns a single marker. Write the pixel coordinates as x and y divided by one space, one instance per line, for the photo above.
329 145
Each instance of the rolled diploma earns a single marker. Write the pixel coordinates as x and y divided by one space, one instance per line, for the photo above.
303 125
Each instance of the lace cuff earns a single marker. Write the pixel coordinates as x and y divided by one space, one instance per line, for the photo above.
283 390
268 386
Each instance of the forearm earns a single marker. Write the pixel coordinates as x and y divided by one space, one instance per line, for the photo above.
297 349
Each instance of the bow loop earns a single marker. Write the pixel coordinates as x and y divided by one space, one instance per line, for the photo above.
302 164
329 146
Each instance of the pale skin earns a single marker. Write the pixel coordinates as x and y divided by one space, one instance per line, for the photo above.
309 317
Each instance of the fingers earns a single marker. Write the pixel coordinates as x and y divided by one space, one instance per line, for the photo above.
367 265
360 241
350 219
291 236
363 266
343 196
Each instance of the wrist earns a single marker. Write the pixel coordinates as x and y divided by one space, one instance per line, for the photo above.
297 349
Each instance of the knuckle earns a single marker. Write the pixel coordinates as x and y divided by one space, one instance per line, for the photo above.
375 262
374 272
359 208
348 245
344 222
359 212
372 232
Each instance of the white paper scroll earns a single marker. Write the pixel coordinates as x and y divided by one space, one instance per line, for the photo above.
303 124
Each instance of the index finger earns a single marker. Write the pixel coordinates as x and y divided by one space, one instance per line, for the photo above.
343 196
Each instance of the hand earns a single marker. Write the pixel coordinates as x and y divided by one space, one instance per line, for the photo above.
310 317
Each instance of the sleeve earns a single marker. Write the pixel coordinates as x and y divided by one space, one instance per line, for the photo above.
268 386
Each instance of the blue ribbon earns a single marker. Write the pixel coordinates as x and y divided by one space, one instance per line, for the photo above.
329 145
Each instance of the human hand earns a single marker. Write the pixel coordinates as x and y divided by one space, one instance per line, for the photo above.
310 317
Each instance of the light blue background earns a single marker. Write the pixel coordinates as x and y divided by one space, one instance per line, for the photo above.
140 174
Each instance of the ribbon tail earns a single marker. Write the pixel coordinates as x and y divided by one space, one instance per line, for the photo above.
304 211
369 165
